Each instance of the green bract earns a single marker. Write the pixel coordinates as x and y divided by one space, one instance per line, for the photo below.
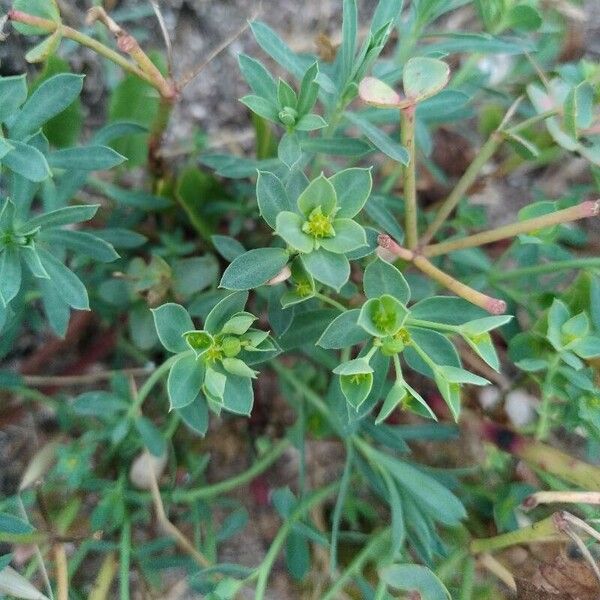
390 329
319 225
212 365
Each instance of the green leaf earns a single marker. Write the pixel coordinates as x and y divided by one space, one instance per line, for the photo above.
46 9
356 366
99 404
262 107
309 90
258 78
56 309
396 396
484 324
62 130
306 328
229 248
558 315
436 499
52 97
588 347
26 161
483 346
319 193
415 578
172 321
423 77
446 309
238 396
277 49
44 49
337 146
576 327
14 525
286 96
343 331
459 375
254 268
379 139
224 310
85 158
13 92
288 227
238 367
289 151
68 286
239 323
349 39
17 586
328 268
382 316
349 235
272 197
185 380
352 187
579 108
310 122
524 18
81 242
437 347
383 278
62 216
195 415
356 388
397 525
10 274
151 436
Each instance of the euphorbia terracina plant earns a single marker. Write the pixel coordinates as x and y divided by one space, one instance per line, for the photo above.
341 273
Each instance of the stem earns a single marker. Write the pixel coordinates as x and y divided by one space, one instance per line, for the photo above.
487 561
552 267
150 383
533 120
568 497
410 178
538 454
468 576
580 211
339 505
66 380
546 530
38 552
463 185
303 389
331 302
125 558
357 564
543 425
104 578
432 325
264 570
492 305
223 487
49 26
141 70
62 572
170 529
